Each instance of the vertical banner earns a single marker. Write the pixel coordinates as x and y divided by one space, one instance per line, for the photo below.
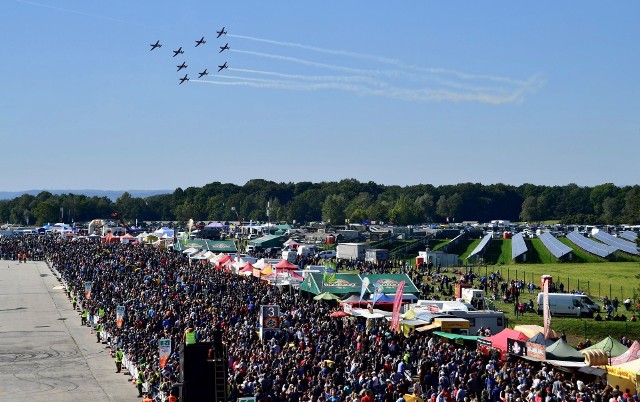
164 348
397 302
87 290
119 316
546 313
365 286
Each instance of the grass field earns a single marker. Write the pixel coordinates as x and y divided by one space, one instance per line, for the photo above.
611 279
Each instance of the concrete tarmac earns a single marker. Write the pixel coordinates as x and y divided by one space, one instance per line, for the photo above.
45 354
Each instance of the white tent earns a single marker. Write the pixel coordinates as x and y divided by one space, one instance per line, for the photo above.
164 232
190 251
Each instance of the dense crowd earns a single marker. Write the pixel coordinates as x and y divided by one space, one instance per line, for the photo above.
313 358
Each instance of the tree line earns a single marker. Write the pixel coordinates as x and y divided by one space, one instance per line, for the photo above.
339 202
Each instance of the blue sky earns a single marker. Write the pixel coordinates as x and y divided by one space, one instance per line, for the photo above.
418 92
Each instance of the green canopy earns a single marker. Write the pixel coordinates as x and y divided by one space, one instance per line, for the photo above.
610 346
215 246
562 351
341 284
456 336
390 282
326 296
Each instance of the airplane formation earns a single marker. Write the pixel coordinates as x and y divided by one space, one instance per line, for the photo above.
199 42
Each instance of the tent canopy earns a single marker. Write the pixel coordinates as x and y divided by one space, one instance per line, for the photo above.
532 330
632 353
610 346
499 340
561 350
541 340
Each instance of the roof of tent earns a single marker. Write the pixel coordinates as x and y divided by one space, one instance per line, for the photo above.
610 345
632 353
541 340
216 246
499 340
561 350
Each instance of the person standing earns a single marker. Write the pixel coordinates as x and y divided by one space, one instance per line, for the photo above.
74 301
98 331
83 317
139 381
189 336
118 359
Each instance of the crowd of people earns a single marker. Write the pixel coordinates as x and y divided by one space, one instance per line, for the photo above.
314 357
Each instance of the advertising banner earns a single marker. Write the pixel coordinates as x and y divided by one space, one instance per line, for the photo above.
119 316
87 290
164 349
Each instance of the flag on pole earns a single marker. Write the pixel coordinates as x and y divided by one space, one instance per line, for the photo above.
397 302
377 292
546 313
365 286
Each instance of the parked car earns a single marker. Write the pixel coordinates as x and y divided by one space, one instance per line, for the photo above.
326 254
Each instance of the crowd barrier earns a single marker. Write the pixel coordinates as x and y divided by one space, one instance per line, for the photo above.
105 337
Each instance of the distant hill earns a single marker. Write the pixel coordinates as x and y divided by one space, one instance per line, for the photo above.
111 194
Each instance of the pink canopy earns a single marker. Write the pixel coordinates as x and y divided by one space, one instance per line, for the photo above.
284 264
224 259
499 340
247 267
632 353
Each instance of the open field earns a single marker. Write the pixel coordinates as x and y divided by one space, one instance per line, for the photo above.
611 279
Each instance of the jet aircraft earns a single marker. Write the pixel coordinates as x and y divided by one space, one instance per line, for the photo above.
177 52
222 67
183 79
203 73
221 32
155 45
225 47
200 42
181 66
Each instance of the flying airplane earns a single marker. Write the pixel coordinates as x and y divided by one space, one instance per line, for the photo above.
221 32
200 42
181 66
225 47
177 52
183 79
222 67
155 45
203 73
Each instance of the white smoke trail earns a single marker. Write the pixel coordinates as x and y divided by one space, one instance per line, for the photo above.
388 73
438 95
394 62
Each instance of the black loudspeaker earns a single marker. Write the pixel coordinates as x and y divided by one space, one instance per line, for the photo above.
196 373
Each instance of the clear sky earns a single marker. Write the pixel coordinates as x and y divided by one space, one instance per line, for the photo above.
404 93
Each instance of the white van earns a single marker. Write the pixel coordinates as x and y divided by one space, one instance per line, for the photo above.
568 304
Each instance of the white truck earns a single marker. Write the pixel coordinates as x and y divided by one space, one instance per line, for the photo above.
351 251
568 304
474 296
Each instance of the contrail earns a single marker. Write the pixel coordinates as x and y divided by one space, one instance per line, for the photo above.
388 73
395 62
342 78
80 13
426 94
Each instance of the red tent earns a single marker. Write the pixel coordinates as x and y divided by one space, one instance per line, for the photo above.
284 264
499 340
223 259
247 267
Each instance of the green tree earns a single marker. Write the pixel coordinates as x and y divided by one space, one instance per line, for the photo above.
334 209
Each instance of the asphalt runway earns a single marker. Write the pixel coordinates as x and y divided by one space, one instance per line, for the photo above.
45 354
